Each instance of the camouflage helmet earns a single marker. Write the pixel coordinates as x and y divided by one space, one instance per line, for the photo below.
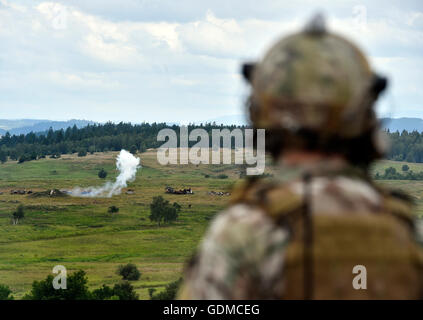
314 81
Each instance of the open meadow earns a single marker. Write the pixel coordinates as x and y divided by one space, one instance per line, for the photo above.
80 233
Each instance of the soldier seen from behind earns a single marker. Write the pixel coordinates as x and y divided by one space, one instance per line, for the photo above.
302 233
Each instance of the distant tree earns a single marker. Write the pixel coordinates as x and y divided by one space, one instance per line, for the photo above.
125 291
120 291
222 176
5 292
151 292
77 288
169 292
405 168
103 293
410 157
18 214
3 156
172 213
162 211
390 170
129 272
102 174
113 209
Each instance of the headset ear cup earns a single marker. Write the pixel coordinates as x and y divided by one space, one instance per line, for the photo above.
379 85
247 70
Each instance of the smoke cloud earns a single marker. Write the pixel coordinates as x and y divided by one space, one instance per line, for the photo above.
126 164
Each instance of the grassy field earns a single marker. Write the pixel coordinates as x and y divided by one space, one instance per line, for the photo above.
413 188
79 233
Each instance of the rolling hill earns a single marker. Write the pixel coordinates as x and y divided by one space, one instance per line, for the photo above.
24 126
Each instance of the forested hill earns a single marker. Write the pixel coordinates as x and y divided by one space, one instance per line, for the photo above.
92 138
400 124
139 137
24 126
406 146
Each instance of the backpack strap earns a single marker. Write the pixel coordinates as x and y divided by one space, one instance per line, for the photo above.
276 200
400 205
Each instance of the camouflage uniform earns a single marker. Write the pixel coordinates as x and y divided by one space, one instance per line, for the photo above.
300 233
253 250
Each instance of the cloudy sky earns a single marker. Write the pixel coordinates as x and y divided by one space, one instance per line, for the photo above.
179 61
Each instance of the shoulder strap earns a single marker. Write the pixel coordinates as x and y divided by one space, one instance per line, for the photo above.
400 205
275 199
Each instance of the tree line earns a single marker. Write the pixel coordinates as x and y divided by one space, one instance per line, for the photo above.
392 174
89 139
405 146
77 288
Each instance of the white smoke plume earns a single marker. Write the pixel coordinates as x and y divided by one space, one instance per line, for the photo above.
127 165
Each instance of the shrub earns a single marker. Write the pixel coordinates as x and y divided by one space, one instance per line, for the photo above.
103 293
405 168
113 209
169 292
222 176
120 291
18 214
3 156
129 272
102 174
125 291
392 174
5 293
76 283
162 211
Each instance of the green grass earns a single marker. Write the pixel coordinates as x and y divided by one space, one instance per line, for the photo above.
79 233
382 165
413 188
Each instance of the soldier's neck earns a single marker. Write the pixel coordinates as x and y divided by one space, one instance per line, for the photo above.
293 163
311 158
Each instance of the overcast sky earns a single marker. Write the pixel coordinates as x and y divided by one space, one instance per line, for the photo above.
179 61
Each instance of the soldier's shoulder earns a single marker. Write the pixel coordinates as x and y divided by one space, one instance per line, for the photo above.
270 196
329 193
238 237
237 221
399 195
242 226
399 202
